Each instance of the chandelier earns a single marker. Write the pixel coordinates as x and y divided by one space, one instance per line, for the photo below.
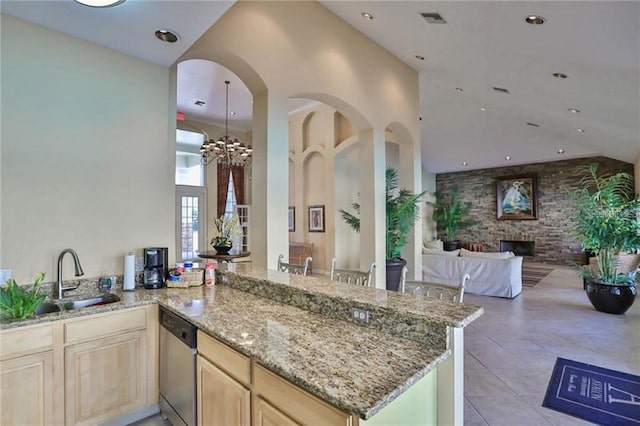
226 151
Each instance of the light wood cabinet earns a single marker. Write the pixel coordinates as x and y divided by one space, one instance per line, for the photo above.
26 390
294 402
265 414
83 370
110 364
222 400
27 376
105 377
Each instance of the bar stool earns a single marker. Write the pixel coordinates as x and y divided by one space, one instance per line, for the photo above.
352 276
294 268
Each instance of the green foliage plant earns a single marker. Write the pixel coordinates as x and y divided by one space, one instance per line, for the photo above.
450 213
226 229
17 303
403 210
607 221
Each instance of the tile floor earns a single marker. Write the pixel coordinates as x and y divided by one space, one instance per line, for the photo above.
510 351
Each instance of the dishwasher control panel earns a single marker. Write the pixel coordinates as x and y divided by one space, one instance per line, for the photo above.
179 327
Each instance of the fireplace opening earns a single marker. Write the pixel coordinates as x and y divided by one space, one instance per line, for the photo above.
519 248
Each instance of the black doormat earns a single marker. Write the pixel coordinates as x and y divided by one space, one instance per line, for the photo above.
532 274
594 394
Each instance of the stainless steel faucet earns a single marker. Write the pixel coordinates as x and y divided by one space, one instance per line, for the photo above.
79 271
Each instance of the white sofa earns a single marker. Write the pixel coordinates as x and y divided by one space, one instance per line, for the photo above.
489 277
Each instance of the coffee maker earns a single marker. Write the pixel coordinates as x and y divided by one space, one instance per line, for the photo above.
156 268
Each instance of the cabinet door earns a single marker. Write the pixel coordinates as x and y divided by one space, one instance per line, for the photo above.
105 377
26 390
221 399
265 414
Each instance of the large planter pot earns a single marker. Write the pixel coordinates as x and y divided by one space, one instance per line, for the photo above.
451 245
394 273
612 299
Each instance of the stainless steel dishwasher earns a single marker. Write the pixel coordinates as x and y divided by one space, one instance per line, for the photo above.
177 369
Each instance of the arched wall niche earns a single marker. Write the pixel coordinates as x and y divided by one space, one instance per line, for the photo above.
311 130
346 192
343 129
358 121
315 193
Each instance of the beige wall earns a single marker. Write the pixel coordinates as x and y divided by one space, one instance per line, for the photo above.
290 52
88 153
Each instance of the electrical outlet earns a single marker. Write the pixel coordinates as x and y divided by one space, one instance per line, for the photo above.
360 315
5 274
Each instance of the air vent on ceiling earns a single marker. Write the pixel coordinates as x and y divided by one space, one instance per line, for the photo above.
433 18
500 90
533 124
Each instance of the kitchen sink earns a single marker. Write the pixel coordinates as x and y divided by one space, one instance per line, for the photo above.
103 299
46 308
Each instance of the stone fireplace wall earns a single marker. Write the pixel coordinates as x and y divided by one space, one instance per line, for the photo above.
551 232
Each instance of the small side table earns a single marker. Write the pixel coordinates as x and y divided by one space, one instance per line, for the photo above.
222 258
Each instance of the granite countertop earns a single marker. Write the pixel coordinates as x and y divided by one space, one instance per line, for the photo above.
343 362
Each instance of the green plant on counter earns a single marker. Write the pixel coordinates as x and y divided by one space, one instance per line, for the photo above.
17 303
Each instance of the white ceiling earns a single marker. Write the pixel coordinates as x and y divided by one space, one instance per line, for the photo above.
483 45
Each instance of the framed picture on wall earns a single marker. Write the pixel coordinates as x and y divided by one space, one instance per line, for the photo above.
292 219
316 218
517 197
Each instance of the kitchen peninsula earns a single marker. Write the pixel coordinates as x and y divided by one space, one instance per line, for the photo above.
300 331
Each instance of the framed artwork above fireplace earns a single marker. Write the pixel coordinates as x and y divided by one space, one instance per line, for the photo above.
517 197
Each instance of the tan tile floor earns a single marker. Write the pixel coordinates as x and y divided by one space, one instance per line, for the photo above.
510 351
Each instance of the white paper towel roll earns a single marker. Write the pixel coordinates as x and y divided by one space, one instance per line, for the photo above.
129 282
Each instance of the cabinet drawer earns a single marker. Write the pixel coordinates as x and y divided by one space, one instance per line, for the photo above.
26 340
231 361
295 402
104 325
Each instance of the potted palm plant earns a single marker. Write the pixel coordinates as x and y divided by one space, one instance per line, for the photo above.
607 221
402 211
450 214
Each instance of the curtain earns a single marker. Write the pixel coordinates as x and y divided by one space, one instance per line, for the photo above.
223 186
238 183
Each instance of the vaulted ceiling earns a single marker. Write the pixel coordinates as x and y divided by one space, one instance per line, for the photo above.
482 46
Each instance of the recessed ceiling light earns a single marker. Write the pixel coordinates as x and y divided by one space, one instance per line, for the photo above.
560 75
508 157
167 35
574 110
459 89
483 109
580 130
232 113
420 57
535 20
560 151
464 163
199 103
500 90
367 15
100 3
